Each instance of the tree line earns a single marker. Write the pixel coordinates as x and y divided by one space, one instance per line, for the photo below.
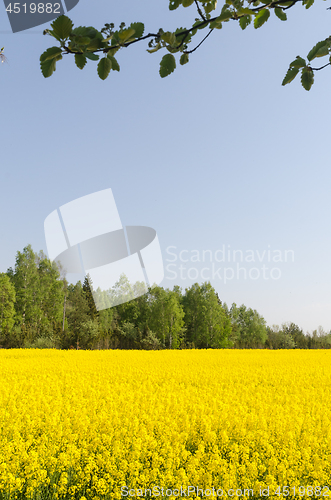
40 309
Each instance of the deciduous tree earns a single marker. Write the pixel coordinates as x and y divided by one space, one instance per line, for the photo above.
7 304
206 321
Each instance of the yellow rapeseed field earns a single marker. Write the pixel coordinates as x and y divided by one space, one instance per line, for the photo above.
112 424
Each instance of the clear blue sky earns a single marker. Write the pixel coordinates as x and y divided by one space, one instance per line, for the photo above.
216 156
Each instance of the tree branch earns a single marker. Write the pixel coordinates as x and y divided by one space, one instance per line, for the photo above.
185 33
274 4
190 51
322 67
199 10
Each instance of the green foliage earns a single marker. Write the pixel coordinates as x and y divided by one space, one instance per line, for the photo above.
249 328
167 65
280 338
184 58
280 14
86 42
307 78
244 21
39 297
114 64
104 68
290 75
215 24
7 304
205 319
62 28
80 60
166 316
307 3
87 290
34 299
51 53
169 38
226 15
321 49
92 57
299 62
139 29
261 18
151 342
48 60
174 4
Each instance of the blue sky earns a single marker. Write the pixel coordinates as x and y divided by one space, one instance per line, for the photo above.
217 155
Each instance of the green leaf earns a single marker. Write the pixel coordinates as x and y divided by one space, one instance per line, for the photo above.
187 3
95 44
49 66
299 62
184 59
80 40
80 60
280 14
155 49
200 27
174 4
114 64
215 24
51 32
51 53
104 68
113 51
320 49
169 37
87 31
167 65
62 27
308 3
139 29
238 4
225 15
245 12
92 57
126 34
307 78
244 21
209 6
290 75
261 18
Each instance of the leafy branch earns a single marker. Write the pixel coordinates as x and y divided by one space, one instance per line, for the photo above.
321 49
85 43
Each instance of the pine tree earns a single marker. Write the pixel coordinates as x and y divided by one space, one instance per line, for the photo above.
87 289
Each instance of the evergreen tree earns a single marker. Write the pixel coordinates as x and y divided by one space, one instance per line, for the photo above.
87 289
78 314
